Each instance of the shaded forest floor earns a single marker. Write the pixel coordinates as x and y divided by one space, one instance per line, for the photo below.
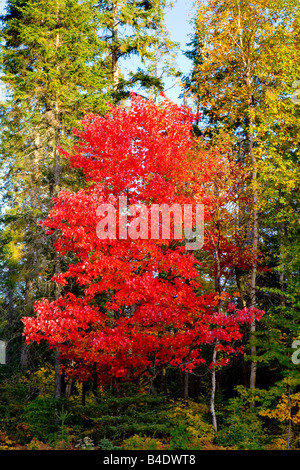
129 419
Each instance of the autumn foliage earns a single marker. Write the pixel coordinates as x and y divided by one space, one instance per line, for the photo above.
138 304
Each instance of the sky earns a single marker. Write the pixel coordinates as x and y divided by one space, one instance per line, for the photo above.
179 27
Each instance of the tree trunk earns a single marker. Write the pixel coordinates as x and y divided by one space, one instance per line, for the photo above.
252 158
213 392
282 268
185 385
290 419
28 307
114 53
56 127
163 381
10 320
252 303
214 356
58 377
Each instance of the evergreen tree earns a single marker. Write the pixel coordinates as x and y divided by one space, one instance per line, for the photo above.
60 61
51 68
133 29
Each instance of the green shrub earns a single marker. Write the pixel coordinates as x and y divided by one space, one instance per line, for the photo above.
137 442
180 438
119 418
189 426
41 417
241 429
106 444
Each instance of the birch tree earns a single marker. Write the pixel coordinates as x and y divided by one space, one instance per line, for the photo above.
244 62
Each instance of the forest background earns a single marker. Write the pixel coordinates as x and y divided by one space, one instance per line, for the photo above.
63 60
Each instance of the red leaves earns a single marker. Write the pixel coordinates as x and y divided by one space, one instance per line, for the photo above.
141 303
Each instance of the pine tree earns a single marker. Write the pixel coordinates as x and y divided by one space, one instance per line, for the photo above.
60 61
133 29
51 68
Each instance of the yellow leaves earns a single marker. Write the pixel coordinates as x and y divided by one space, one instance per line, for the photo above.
42 379
137 442
287 409
191 414
14 251
5 442
279 179
272 100
244 63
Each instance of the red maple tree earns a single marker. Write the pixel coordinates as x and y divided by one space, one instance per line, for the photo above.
138 305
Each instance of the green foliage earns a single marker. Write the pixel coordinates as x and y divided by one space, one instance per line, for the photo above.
190 427
137 442
179 437
136 421
52 51
15 391
117 418
136 29
57 66
106 444
245 70
241 429
40 416
50 56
